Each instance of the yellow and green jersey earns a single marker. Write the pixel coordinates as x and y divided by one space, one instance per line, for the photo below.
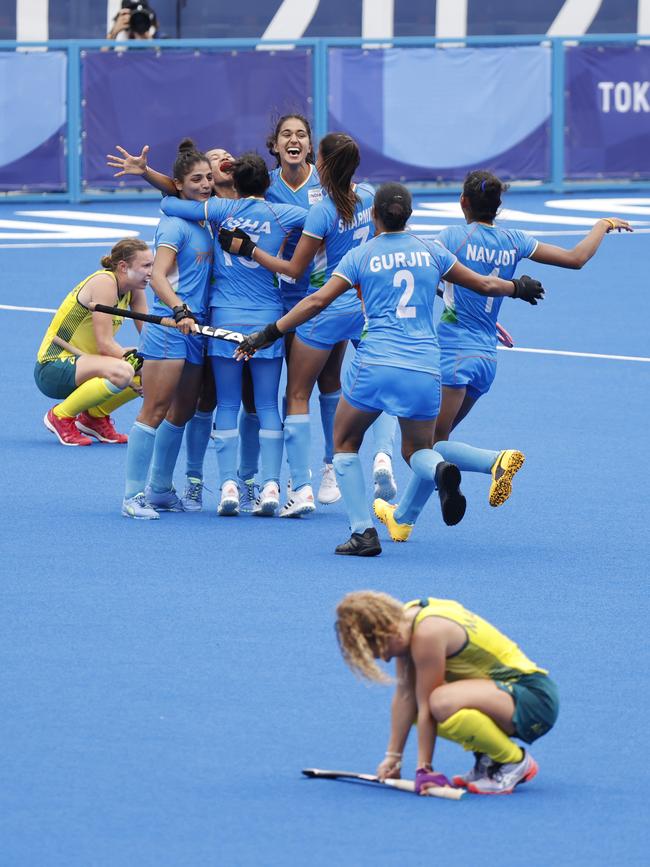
72 322
487 653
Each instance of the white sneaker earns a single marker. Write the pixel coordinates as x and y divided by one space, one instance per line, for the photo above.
248 496
137 507
502 779
301 503
328 492
229 504
268 502
382 473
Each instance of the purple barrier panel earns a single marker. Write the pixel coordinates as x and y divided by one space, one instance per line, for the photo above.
607 111
219 99
33 112
426 114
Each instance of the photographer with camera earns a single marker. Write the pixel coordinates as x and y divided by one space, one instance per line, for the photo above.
135 20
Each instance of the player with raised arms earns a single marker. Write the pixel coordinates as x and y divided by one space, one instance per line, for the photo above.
79 361
396 367
459 677
199 427
173 358
467 329
246 295
333 226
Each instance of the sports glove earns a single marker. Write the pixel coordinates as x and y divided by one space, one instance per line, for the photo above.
134 358
528 289
227 236
259 339
182 311
427 776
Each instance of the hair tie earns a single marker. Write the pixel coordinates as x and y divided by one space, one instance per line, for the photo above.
483 186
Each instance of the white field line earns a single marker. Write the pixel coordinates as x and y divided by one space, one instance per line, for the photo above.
512 349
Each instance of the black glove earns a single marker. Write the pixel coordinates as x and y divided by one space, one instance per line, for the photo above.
134 358
226 237
182 311
259 339
528 289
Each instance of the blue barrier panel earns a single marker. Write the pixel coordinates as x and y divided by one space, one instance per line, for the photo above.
219 99
608 111
429 114
33 112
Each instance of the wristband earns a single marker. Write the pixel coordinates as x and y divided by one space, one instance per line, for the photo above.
182 311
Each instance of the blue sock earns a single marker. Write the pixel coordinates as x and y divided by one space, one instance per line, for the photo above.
420 487
165 453
197 437
383 432
249 444
466 457
138 458
271 448
226 445
349 475
298 441
328 404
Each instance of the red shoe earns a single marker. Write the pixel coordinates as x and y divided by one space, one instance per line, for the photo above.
65 430
102 428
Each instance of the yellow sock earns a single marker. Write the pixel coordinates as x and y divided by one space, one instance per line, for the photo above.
109 406
90 393
474 730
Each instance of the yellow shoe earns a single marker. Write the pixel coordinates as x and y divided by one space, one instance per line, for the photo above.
506 465
385 511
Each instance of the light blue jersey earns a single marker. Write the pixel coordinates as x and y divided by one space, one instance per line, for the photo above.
324 223
307 194
193 246
397 274
469 319
239 282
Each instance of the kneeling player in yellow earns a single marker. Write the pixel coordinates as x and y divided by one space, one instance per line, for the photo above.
79 361
459 678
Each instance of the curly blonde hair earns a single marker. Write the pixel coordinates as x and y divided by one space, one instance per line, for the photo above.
365 621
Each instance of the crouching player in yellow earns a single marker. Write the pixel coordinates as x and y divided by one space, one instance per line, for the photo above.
79 361
459 678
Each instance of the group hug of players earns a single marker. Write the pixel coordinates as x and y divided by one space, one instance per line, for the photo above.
303 261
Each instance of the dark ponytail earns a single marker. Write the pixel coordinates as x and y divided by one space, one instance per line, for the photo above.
483 191
187 157
340 158
250 176
393 206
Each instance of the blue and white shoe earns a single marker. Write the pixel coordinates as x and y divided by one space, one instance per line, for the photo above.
138 508
248 495
269 501
382 474
192 499
229 503
163 501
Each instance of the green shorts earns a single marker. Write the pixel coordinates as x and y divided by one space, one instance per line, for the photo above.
536 704
56 379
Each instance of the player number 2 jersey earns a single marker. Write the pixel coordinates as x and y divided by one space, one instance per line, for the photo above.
397 274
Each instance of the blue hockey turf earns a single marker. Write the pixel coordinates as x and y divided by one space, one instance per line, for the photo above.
164 683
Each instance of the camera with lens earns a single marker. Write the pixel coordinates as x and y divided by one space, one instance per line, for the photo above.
143 18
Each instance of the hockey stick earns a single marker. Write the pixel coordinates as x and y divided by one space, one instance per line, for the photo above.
403 785
168 322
